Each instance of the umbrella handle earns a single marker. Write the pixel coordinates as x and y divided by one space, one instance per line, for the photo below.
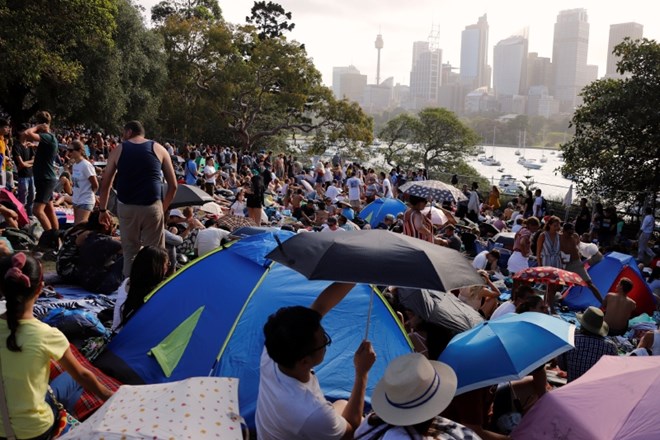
371 304
281 248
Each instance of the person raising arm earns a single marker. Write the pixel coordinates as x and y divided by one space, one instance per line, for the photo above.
290 403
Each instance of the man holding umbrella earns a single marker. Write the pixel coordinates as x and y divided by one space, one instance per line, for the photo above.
290 403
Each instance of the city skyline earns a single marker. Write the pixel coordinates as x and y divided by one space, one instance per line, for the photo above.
342 33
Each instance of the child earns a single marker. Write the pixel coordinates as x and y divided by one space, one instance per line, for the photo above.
26 347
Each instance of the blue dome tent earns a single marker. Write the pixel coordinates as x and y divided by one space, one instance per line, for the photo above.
208 320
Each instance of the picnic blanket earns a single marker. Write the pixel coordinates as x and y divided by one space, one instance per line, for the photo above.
88 402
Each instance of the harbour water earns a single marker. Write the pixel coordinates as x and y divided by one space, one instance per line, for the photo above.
548 178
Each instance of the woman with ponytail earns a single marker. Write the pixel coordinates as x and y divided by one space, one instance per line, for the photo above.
26 348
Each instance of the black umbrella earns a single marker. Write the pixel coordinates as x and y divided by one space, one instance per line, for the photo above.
433 190
189 195
376 257
440 308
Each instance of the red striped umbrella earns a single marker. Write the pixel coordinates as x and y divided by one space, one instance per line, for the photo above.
549 275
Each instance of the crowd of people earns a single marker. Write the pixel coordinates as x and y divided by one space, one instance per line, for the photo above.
116 184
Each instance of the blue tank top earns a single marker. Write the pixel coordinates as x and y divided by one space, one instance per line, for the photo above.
138 174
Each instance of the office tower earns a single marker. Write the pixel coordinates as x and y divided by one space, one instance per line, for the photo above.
379 46
618 32
569 57
475 71
426 72
539 71
510 66
348 83
337 72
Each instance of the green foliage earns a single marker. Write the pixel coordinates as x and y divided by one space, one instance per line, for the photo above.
123 81
433 139
270 19
39 40
616 148
204 10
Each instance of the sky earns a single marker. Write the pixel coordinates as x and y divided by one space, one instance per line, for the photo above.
343 32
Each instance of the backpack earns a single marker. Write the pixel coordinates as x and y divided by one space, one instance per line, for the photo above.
19 239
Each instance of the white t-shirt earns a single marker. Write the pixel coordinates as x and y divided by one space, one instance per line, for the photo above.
209 239
288 409
82 187
332 192
209 170
354 185
480 261
503 309
387 188
237 208
326 228
122 294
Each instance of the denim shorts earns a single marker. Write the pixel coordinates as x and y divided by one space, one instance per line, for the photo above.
85 207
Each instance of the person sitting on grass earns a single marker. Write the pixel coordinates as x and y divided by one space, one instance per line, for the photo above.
408 399
291 404
27 347
619 308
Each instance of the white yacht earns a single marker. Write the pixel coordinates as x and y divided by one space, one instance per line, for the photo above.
491 162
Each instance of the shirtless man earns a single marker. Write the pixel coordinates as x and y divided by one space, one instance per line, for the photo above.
569 244
619 308
296 203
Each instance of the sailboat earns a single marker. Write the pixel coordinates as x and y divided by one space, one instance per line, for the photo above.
530 164
491 161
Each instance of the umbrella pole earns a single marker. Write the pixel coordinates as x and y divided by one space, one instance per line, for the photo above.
371 304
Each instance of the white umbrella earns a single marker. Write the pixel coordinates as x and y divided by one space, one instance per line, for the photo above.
195 408
437 216
211 208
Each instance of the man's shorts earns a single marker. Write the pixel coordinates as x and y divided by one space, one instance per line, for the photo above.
44 190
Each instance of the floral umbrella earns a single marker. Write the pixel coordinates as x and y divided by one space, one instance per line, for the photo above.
549 275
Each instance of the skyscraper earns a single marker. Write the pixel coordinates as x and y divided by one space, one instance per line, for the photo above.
426 73
475 71
617 33
510 66
539 71
349 83
569 57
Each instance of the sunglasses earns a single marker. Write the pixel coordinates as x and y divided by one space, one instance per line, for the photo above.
328 341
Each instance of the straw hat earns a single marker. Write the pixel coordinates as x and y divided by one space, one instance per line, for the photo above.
593 320
413 390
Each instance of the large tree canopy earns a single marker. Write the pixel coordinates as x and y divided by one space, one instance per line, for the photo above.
248 85
39 40
433 139
616 148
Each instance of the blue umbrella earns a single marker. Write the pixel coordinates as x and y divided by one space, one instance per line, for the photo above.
375 212
506 349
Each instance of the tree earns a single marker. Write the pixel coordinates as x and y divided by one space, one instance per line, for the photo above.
433 139
203 10
270 19
39 40
616 148
118 82
399 135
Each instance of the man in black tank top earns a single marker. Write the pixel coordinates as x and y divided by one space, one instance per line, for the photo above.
137 164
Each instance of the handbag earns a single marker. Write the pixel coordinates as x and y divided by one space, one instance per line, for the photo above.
64 422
